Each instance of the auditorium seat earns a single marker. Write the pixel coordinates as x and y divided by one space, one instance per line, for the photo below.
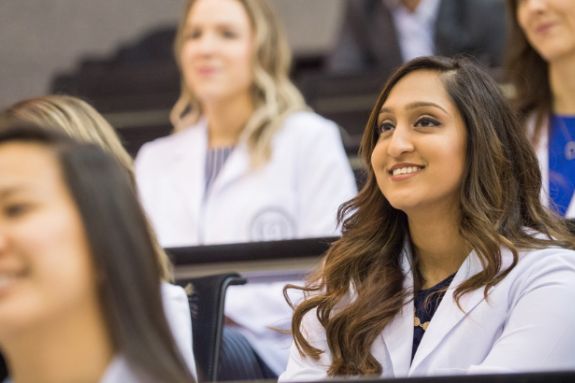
206 295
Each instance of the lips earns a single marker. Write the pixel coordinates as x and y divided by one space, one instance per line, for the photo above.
543 28
206 71
404 169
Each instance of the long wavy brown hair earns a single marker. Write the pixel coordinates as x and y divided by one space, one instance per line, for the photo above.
528 72
499 200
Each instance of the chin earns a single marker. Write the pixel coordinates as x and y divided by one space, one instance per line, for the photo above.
403 205
556 53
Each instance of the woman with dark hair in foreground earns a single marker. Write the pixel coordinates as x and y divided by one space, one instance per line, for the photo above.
79 120
448 262
80 281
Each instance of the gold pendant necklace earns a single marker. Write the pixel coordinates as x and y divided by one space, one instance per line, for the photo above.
417 323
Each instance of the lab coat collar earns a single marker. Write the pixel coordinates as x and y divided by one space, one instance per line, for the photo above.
398 335
448 312
190 158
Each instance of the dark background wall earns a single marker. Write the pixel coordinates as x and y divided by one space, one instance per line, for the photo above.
41 38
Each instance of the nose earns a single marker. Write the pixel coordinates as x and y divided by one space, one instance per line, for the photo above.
400 142
532 5
206 44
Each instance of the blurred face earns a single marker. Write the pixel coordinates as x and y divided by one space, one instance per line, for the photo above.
45 264
549 26
217 50
419 158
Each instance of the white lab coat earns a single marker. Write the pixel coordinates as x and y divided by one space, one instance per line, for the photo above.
525 325
295 195
542 150
177 311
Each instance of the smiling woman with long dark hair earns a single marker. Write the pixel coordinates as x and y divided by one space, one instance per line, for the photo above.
448 262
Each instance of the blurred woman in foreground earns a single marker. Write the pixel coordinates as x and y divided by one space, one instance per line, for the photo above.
79 120
80 298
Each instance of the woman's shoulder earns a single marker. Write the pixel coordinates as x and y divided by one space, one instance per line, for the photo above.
119 371
171 145
552 264
175 299
549 254
174 140
171 291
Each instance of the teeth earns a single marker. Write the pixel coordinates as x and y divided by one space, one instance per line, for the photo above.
406 170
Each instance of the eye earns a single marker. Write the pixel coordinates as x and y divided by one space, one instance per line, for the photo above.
192 34
384 127
229 34
427 122
15 210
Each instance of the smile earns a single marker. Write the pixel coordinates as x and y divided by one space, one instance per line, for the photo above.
398 171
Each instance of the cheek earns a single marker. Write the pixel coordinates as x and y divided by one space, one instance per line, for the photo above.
377 157
186 62
59 255
453 161
59 276
521 17
378 165
245 73
241 59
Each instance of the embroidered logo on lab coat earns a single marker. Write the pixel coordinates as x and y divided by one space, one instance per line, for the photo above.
271 224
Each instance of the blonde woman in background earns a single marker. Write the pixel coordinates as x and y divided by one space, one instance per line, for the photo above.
76 118
247 161
82 122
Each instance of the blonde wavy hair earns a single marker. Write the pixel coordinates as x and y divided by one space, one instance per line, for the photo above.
273 93
81 121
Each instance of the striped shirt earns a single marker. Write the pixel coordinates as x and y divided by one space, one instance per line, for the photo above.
215 160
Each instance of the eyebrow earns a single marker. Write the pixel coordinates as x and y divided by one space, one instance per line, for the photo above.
415 105
10 191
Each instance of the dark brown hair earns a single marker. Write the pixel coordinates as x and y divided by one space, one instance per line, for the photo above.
499 203
528 72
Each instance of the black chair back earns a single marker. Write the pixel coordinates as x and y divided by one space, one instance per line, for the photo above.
207 299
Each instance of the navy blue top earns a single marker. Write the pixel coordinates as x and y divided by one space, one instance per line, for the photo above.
425 308
561 162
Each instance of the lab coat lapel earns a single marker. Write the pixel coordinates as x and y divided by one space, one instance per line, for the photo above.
571 209
448 314
187 173
398 334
